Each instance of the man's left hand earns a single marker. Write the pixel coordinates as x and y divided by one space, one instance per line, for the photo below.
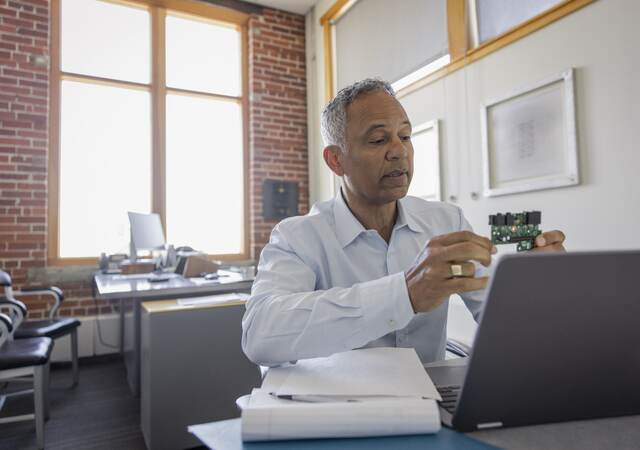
550 241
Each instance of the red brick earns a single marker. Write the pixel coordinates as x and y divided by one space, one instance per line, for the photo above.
18 22
33 17
7 12
17 40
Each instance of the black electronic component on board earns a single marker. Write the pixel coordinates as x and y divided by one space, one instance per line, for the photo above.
534 218
497 220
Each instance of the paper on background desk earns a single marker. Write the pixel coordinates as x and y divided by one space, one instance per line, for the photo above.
213 299
268 418
383 371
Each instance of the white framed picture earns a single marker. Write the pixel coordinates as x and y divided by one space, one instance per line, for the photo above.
426 161
529 138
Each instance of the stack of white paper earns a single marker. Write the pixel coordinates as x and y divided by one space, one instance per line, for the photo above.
369 392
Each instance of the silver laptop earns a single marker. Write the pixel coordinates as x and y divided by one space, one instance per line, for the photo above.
559 339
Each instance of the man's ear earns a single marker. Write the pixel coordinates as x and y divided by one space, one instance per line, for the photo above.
333 157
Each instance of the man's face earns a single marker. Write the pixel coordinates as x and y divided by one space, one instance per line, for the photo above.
378 161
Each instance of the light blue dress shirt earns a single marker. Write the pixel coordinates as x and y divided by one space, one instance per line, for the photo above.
326 285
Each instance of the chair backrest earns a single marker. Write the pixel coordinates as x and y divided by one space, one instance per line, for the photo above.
6 328
9 294
18 311
5 279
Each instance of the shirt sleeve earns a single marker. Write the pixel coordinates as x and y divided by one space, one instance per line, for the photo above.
474 299
287 319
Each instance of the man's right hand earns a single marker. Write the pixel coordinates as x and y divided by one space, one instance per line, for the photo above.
430 280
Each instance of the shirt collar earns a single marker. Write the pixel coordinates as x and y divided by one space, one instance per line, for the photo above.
348 227
405 217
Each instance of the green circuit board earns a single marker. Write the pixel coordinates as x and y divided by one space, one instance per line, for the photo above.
518 228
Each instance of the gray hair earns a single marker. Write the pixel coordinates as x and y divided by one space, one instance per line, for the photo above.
334 115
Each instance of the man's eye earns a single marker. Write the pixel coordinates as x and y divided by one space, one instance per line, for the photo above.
376 141
405 138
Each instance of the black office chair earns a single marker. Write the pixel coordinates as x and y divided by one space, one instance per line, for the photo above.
52 327
26 358
455 348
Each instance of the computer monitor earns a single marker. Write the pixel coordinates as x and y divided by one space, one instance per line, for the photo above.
146 233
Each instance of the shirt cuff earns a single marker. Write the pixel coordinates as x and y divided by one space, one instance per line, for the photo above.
386 303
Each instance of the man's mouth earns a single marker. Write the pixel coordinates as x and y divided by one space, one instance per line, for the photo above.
396 173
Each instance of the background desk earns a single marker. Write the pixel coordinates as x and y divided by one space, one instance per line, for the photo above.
193 369
130 290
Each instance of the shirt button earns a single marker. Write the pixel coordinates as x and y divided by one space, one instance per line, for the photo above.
392 323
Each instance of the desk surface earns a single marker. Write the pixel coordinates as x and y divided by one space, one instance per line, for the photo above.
112 287
620 433
225 434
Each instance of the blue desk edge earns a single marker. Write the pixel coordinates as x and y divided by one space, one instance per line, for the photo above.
225 435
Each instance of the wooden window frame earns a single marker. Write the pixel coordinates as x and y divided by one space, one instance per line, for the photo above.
461 55
157 88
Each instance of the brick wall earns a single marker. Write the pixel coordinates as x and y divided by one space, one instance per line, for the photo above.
278 111
24 94
278 143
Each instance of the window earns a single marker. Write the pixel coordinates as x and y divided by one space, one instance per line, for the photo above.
204 136
371 39
494 17
445 36
105 156
425 182
148 115
421 73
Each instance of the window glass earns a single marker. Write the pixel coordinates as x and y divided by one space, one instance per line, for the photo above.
203 56
204 174
426 167
105 161
106 40
497 16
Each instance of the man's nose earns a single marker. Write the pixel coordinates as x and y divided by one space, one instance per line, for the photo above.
397 149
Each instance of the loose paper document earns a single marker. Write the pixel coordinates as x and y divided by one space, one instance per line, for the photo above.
367 372
213 299
269 418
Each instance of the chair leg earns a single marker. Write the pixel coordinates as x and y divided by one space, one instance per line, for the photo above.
74 356
45 391
39 402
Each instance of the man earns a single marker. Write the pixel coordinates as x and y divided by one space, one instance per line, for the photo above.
371 267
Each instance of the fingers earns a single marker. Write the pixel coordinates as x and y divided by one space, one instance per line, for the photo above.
459 285
467 251
461 236
550 248
431 278
468 270
550 238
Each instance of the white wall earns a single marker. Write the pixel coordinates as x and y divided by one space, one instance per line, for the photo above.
601 42
321 185
89 342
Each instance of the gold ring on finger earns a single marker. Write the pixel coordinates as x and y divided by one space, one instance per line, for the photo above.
456 270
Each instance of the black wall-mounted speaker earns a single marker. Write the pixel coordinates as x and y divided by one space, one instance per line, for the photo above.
279 199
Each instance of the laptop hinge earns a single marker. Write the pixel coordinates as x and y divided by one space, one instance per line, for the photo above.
484 426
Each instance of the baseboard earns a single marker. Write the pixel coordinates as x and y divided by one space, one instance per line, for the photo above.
89 342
